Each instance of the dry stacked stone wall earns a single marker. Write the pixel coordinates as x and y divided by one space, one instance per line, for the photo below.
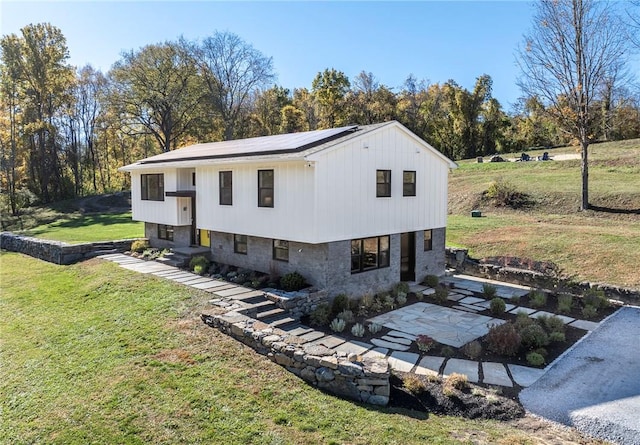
58 252
363 379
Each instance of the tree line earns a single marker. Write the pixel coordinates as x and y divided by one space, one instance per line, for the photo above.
65 131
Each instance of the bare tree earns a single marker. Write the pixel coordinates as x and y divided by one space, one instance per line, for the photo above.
574 48
232 71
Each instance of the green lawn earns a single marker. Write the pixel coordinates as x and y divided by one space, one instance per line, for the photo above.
593 245
78 228
92 353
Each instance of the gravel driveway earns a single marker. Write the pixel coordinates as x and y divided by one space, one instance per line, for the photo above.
595 387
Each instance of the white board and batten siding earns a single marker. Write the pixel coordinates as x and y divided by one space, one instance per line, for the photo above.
345 187
291 218
172 211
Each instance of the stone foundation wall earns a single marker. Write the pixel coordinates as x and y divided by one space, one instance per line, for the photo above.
58 252
459 259
356 378
298 303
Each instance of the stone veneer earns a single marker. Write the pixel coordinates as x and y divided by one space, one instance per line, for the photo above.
58 252
363 379
298 303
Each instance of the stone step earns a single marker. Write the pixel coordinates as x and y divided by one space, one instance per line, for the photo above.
270 313
259 304
281 322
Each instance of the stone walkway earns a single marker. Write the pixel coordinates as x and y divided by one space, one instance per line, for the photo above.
451 326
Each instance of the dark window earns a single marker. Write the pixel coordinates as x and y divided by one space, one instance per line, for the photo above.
428 240
193 179
265 188
369 253
165 232
240 244
226 188
383 183
409 183
152 187
280 250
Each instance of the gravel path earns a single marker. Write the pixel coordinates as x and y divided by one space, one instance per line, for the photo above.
595 387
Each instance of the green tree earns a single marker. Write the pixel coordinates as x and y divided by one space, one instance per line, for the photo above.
329 89
369 102
267 110
572 50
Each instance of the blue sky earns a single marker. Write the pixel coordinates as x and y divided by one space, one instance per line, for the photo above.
435 41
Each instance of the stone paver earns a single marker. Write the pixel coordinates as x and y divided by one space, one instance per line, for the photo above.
584 324
298 330
487 305
461 366
402 335
402 341
429 365
403 361
199 280
471 300
428 291
330 341
526 310
354 347
525 376
389 345
453 296
311 336
376 353
232 291
495 374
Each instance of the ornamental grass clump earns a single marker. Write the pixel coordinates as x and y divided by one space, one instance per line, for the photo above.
497 306
472 350
537 298
503 339
414 384
441 294
401 298
346 315
338 325
340 303
454 383
139 245
565 302
489 291
374 328
358 330
431 281
320 315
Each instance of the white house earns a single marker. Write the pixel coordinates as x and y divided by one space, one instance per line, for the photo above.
353 209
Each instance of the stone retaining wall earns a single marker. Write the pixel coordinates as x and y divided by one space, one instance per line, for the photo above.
459 259
357 378
298 303
58 252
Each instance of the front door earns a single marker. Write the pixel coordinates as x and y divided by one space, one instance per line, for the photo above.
408 256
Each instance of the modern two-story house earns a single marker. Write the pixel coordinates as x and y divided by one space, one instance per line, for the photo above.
353 209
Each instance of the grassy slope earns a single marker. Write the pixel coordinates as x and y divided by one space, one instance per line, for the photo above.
92 353
597 246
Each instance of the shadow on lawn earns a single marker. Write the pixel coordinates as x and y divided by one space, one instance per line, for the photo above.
90 220
617 211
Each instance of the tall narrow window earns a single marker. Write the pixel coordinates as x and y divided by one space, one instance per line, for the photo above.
265 188
408 183
280 250
152 187
240 244
428 240
226 188
383 183
193 179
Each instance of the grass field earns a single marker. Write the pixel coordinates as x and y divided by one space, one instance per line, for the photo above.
93 353
601 246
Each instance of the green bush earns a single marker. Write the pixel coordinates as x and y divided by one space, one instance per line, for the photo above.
537 298
523 320
199 269
292 282
489 291
338 325
340 303
401 298
401 287
503 339
441 295
431 281
535 359
388 302
346 315
201 261
374 328
534 336
557 337
565 302
498 306
552 323
447 351
589 311
320 315
139 245
473 349
595 298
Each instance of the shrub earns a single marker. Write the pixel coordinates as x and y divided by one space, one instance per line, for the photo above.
489 291
552 324
447 351
139 245
565 301
537 298
425 343
595 298
504 194
557 337
199 260
589 311
377 306
514 299
413 384
454 382
346 315
401 298
199 269
374 328
523 320
292 281
441 295
535 359
503 339
388 302
431 281
401 287
340 303
498 306
533 336
357 330
320 315
338 325
473 349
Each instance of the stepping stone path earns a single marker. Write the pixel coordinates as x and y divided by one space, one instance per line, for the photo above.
454 327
